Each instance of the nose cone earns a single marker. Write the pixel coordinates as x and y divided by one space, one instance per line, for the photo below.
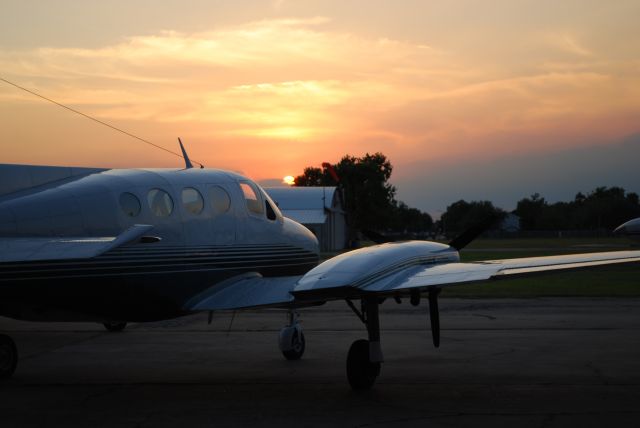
300 236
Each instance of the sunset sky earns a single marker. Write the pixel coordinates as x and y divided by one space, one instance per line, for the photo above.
461 95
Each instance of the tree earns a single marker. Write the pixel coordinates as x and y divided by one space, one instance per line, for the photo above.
314 177
603 208
462 215
610 207
410 220
369 197
530 210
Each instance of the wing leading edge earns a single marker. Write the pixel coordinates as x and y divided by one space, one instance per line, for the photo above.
463 273
35 249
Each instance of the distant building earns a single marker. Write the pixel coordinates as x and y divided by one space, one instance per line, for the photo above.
511 223
318 208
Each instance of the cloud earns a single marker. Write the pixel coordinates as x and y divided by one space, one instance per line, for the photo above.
321 92
568 43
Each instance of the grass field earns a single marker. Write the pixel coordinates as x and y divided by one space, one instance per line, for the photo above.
610 281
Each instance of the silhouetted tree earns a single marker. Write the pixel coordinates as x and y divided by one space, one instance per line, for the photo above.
603 208
462 215
369 197
530 210
410 220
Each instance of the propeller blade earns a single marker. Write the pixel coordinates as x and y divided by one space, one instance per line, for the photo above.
376 237
465 238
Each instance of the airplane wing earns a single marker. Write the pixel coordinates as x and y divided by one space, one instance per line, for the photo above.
450 274
387 269
33 249
250 290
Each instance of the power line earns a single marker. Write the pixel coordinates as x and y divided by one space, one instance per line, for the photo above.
97 120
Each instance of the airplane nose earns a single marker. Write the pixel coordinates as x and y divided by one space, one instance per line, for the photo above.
300 236
630 227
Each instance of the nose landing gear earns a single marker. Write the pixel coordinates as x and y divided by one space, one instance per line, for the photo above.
291 339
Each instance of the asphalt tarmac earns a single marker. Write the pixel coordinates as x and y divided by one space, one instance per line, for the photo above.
552 362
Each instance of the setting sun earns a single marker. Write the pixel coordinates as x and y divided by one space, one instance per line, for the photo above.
289 180
449 92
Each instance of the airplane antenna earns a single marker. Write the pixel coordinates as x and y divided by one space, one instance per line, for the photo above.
100 121
185 155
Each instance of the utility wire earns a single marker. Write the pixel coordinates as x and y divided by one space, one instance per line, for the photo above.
97 120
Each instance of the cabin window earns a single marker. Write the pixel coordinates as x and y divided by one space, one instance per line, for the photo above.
273 211
254 204
271 214
220 200
130 204
192 200
160 202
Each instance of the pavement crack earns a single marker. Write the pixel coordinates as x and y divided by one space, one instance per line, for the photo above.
597 372
485 316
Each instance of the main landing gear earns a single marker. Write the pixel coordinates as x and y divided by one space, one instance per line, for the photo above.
8 357
365 356
291 339
364 359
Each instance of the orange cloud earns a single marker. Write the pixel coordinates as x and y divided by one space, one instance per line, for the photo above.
308 92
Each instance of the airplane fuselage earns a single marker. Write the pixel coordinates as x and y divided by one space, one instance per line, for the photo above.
208 226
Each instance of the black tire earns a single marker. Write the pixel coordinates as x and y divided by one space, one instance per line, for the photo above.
114 327
8 357
361 372
297 347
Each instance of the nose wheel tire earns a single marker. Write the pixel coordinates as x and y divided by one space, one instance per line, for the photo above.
297 346
361 372
114 326
8 357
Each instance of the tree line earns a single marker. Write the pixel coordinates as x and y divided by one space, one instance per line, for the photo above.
370 203
602 208
369 198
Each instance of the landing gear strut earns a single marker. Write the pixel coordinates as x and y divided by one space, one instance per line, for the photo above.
114 326
365 356
291 339
8 357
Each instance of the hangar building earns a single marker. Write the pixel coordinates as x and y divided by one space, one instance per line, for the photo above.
318 208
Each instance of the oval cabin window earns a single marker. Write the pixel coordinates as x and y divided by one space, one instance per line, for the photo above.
160 202
192 200
130 204
220 200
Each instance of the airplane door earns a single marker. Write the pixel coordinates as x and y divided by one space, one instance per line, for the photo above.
223 223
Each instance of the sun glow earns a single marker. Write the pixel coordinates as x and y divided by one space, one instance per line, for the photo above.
320 88
289 180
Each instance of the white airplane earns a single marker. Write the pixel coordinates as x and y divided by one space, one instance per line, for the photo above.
135 245
630 228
